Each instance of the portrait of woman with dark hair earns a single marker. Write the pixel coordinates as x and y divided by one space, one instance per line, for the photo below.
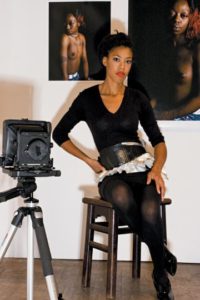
169 68
73 48
75 30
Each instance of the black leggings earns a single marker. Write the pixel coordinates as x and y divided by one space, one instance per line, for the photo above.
137 205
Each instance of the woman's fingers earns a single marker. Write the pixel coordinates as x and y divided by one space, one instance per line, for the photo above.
159 182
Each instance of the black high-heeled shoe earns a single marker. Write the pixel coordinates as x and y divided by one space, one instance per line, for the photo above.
170 262
163 288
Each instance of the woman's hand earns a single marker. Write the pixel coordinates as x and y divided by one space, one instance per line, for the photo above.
160 154
95 165
160 185
72 149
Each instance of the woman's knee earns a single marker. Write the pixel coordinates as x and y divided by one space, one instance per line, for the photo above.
150 213
150 206
117 192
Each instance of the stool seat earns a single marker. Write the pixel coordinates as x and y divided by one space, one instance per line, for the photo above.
113 226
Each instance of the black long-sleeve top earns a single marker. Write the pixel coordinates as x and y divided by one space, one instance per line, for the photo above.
110 128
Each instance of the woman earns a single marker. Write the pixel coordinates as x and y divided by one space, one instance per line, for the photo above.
180 93
112 112
73 49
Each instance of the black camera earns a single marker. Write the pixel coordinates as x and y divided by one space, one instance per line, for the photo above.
26 148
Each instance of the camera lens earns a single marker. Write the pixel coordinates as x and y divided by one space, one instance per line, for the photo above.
37 149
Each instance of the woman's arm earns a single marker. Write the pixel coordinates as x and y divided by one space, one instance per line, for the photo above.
150 126
85 60
75 151
64 55
160 153
71 118
191 106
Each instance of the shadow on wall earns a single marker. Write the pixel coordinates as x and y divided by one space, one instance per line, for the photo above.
16 101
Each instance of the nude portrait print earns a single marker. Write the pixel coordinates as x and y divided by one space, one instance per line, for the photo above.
75 30
167 55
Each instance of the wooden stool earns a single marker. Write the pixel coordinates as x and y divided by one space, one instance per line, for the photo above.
98 207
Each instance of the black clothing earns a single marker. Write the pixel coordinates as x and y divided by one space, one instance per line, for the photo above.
110 128
138 205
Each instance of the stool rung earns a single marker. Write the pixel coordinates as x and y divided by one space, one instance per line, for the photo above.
99 228
98 246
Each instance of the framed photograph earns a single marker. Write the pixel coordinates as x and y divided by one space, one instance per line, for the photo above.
167 56
75 30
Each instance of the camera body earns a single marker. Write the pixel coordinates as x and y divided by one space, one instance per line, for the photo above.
26 148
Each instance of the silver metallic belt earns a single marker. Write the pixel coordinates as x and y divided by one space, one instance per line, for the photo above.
119 154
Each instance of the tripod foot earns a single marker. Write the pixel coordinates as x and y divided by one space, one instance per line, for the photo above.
60 297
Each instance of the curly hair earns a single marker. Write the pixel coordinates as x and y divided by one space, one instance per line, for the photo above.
79 17
112 41
193 30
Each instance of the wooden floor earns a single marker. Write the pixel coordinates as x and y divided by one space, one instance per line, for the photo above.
186 283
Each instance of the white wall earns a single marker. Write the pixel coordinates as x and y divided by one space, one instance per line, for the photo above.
24 63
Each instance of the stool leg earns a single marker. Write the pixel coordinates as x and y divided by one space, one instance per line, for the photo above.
163 215
112 255
87 261
136 256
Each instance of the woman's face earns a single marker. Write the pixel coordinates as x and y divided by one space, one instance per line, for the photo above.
179 17
71 24
118 63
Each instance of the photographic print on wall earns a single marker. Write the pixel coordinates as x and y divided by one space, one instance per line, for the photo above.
166 36
75 30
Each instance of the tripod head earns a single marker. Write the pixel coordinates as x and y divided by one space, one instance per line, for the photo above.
25 187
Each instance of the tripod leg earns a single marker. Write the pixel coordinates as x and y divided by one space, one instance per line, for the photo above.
15 224
45 254
30 259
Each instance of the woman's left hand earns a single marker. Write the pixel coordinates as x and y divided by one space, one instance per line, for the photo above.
159 182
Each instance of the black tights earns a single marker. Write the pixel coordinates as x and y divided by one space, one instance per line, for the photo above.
138 205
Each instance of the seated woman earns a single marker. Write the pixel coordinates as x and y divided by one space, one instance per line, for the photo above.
128 176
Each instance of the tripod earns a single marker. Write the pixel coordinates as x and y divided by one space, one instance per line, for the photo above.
25 188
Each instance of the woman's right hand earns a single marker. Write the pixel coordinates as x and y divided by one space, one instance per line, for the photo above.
95 165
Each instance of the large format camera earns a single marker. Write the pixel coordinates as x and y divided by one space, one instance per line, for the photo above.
26 149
